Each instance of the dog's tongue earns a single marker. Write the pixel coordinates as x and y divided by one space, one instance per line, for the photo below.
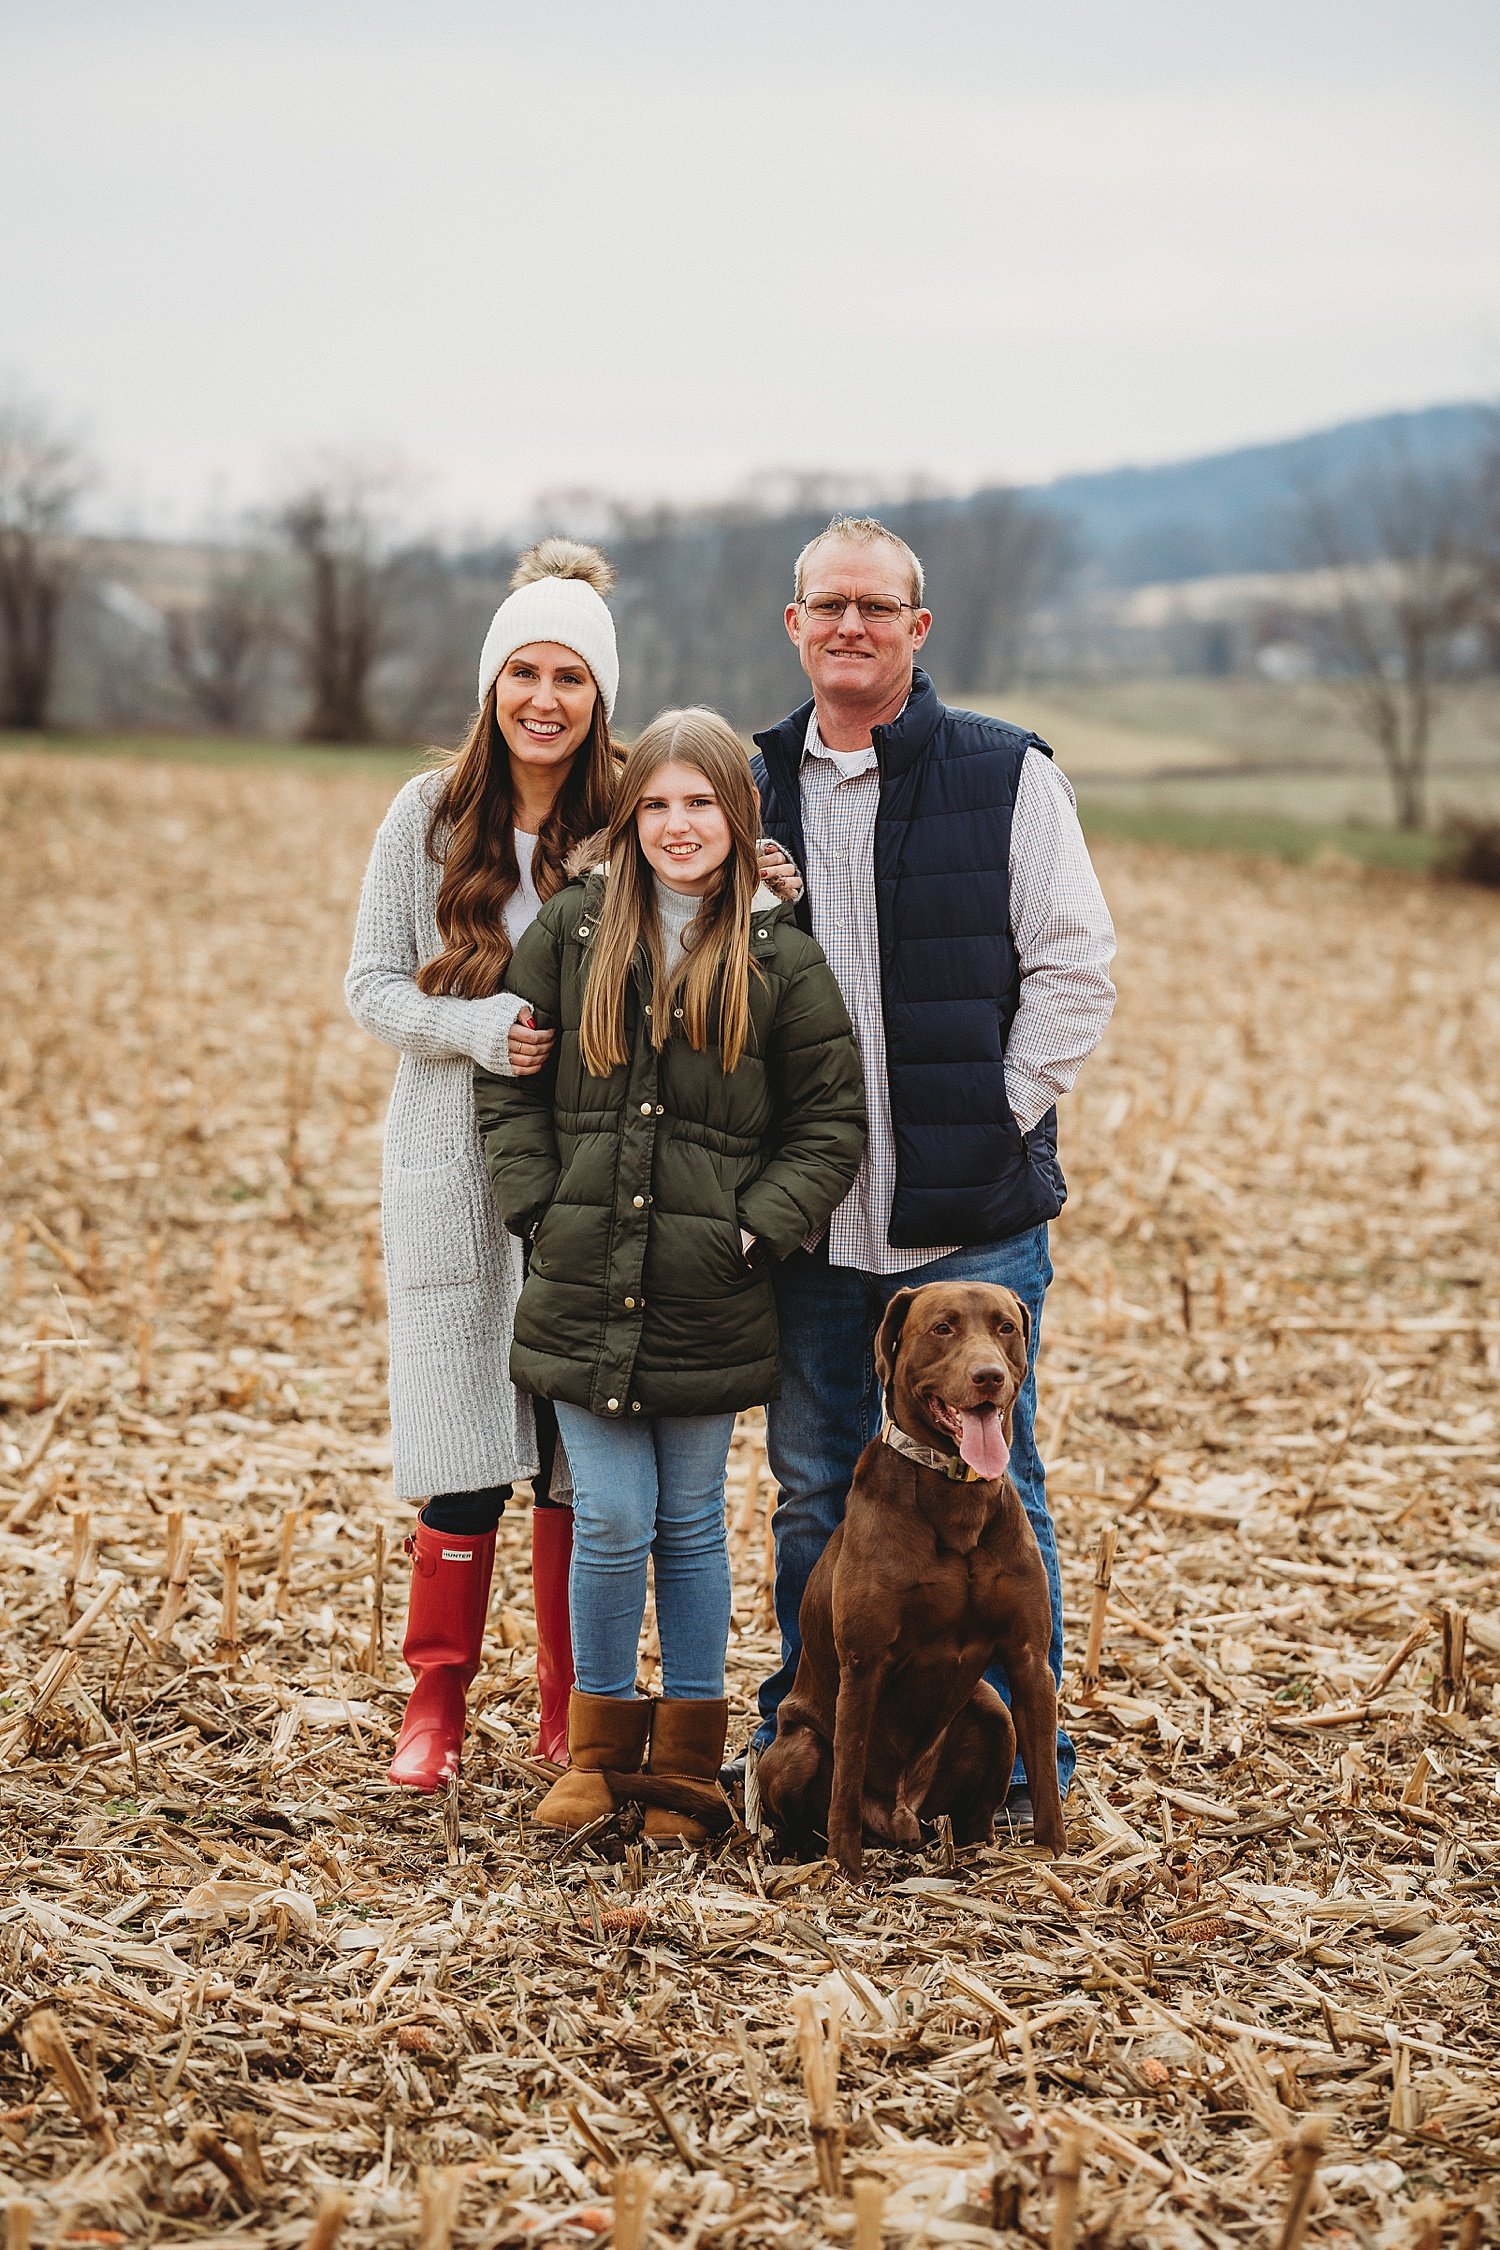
983 1445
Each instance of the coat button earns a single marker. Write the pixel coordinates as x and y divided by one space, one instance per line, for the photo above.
639 1201
648 1007
613 1405
762 933
678 1013
583 929
645 1109
630 1304
635 1406
658 1109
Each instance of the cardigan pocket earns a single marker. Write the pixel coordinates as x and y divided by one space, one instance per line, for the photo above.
431 1233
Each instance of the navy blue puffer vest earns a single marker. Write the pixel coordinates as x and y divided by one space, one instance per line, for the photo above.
950 982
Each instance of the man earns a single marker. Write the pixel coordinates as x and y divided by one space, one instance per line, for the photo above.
949 884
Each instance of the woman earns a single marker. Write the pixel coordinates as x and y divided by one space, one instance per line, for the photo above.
464 859
703 1114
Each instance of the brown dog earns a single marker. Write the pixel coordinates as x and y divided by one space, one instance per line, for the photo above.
933 1573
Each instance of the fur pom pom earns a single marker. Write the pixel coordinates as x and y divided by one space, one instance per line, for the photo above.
563 558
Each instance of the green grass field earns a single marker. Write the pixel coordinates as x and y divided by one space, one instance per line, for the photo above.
1268 834
1191 726
1246 765
225 750
1236 765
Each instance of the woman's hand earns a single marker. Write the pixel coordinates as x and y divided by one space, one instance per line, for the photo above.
747 1243
779 871
529 1048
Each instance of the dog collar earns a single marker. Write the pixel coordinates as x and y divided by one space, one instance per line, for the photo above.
950 1465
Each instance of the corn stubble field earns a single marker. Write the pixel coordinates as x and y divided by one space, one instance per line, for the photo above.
250 1995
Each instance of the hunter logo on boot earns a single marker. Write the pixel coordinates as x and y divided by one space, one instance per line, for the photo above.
458 1554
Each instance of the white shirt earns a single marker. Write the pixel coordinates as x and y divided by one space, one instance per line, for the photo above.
1064 942
523 906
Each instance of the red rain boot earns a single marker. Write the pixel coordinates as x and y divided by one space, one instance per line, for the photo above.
450 1595
551 1561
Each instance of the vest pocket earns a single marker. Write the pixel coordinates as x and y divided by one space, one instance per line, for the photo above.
431 1235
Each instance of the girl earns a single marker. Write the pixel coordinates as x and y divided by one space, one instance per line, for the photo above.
702 1115
463 861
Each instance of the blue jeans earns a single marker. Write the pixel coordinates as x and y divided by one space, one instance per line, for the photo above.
650 1489
830 1407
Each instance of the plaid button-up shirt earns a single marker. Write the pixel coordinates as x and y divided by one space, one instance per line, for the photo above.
1064 942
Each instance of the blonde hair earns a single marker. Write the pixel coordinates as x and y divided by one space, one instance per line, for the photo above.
860 531
713 978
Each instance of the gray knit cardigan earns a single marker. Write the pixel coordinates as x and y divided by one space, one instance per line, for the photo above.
453 1274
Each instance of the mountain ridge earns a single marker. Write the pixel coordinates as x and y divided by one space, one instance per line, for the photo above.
1216 513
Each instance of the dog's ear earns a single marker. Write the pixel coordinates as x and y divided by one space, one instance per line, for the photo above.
1008 1419
888 1335
1025 1312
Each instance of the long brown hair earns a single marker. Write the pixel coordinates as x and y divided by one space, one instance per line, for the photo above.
714 976
471 833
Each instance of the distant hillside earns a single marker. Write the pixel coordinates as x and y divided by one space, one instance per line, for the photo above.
1229 511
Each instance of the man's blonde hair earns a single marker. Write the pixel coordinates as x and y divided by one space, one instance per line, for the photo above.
860 531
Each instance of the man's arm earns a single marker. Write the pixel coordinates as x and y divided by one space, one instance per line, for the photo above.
1064 942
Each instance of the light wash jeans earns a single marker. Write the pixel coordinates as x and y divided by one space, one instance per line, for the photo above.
830 1407
650 1488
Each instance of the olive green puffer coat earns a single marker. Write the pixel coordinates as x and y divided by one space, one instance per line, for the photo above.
635 1187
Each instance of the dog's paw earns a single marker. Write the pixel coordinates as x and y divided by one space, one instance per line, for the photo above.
847 1853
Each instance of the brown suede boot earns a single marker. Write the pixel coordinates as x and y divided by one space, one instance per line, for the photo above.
687 1750
606 1734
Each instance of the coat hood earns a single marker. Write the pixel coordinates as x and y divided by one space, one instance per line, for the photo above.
587 856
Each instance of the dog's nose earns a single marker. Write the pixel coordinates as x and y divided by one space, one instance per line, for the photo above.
989 1378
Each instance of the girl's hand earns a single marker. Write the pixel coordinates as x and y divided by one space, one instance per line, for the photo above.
779 871
529 1048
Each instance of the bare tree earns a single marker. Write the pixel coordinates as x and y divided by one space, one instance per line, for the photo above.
439 617
218 646
702 590
42 474
991 562
335 528
1398 545
1487 545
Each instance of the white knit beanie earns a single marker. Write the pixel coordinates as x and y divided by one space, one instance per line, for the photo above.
557 595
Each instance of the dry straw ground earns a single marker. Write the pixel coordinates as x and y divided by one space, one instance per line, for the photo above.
248 1995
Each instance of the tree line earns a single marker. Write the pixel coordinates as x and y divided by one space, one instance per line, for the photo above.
380 632
319 617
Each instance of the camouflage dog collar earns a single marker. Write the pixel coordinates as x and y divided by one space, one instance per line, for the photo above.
950 1465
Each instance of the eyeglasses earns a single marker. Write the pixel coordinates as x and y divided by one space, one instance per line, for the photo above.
875 609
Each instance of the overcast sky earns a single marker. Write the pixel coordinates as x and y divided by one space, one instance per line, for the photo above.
659 246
